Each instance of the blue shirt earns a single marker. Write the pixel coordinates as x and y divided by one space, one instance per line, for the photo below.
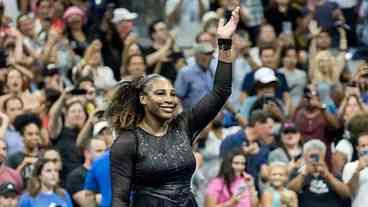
98 179
14 141
254 162
248 84
45 200
192 83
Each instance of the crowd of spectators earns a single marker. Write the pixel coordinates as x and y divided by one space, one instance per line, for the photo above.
293 133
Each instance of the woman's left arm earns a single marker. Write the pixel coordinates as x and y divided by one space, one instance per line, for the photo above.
208 107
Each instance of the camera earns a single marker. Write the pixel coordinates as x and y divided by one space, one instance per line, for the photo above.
314 158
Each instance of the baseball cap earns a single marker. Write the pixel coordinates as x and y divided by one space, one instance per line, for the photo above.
8 190
289 126
209 16
99 126
203 47
121 14
265 75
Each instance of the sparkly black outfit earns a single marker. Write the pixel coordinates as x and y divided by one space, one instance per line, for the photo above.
159 169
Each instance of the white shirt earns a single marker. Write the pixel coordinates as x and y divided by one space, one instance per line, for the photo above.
360 199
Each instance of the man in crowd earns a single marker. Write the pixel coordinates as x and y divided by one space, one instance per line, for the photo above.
356 173
76 178
8 195
313 182
196 79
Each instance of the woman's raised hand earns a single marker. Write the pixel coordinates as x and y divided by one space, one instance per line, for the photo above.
225 31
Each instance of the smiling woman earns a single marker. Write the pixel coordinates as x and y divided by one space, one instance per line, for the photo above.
152 154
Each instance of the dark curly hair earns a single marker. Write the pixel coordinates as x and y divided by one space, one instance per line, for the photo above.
125 110
23 120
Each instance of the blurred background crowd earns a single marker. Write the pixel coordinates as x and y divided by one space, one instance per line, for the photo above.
293 133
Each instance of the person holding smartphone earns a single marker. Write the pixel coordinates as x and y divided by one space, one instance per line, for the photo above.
314 183
233 187
355 173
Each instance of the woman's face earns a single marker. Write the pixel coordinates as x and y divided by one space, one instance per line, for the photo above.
14 81
238 164
50 175
136 66
160 99
352 106
54 156
278 176
95 59
291 138
75 21
32 136
76 115
267 34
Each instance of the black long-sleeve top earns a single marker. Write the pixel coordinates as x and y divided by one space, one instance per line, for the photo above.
162 167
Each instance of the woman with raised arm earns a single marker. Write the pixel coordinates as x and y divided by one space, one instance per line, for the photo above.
152 155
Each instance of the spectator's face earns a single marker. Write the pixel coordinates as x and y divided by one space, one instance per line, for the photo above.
290 59
44 9
14 81
160 100
75 21
240 43
53 81
362 143
8 201
263 130
32 136
124 28
13 108
75 116
267 34
55 157
278 176
352 106
98 146
238 164
91 93
49 175
26 26
2 152
291 138
136 66
324 41
161 32
268 58
207 37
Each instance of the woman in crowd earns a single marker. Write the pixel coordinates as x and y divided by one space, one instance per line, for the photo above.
92 66
134 67
233 187
75 19
43 189
152 154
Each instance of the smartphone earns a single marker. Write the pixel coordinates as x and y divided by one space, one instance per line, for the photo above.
364 153
241 189
227 15
315 158
78 92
